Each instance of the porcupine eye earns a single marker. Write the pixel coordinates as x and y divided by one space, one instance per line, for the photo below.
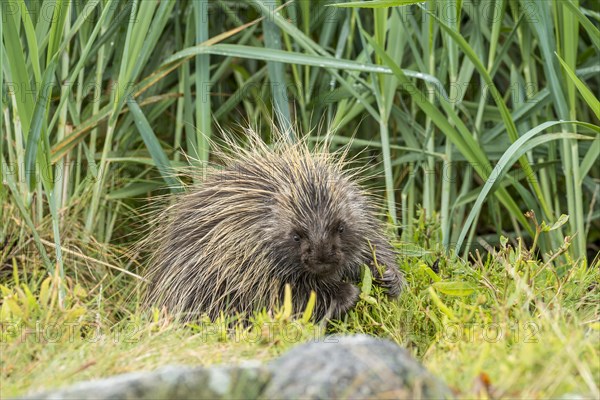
296 237
340 228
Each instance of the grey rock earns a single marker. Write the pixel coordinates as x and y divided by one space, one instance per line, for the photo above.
173 382
351 367
342 367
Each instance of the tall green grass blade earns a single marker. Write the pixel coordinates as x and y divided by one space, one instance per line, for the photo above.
202 77
134 190
585 92
9 179
137 33
32 45
111 31
35 138
249 52
61 11
590 159
158 155
141 32
376 3
589 27
508 42
276 71
86 53
569 49
543 27
159 21
453 70
15 55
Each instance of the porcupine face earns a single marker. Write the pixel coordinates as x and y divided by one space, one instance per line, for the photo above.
322 251
317 228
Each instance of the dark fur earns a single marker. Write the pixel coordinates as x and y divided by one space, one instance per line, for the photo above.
282 217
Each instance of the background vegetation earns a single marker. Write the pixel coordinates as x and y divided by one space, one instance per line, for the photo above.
472 113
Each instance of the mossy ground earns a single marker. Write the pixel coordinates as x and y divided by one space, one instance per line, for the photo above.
504 325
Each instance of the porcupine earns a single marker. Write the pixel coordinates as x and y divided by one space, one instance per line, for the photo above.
270 216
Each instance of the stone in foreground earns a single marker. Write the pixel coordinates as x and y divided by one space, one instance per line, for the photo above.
171 382
352 367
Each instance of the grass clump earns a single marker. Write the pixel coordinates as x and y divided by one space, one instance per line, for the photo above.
504 324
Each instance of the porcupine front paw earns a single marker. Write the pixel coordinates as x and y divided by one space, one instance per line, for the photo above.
392 280
345 298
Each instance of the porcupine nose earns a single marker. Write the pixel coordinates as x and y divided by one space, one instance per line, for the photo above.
325 254
321 256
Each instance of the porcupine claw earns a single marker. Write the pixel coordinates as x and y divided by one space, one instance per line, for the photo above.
346 299
393 281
